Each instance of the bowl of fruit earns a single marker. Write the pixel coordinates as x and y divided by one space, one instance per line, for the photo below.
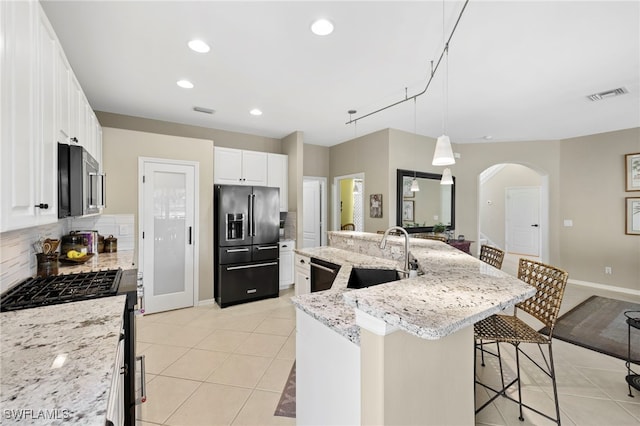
74 256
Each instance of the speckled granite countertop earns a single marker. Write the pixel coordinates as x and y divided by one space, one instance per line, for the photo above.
120 259
455 291
87 332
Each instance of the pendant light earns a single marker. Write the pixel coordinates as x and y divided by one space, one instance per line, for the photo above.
447 179
414 184
443 154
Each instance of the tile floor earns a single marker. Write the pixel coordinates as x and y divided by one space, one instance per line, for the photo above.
209 366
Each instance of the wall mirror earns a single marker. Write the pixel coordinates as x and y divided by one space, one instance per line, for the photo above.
419 211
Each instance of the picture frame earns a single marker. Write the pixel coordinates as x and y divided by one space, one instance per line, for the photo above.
632 172
632 222
406 189
375 206
407 210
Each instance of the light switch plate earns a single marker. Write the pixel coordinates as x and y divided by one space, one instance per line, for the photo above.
568 223
124 230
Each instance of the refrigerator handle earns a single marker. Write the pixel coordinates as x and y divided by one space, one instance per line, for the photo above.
250 218
253 214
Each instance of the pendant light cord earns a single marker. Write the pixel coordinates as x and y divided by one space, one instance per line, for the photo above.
433 72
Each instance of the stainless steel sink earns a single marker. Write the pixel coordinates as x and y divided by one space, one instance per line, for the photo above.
367 277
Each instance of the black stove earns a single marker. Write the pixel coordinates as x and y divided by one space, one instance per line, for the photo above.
53 290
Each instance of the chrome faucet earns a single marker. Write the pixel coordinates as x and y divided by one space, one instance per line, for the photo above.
383 244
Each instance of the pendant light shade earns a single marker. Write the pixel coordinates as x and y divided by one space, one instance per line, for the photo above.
443 154
414 185
447 179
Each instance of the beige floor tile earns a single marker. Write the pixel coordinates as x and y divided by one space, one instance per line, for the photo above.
631 408
141 346
276 375
211 404
266 345
259 410
158 357
246 323
196 364
223 340
277 326
175 317
240 370
288 350
177 335
164 396
592 411
287 312
143 423
612 383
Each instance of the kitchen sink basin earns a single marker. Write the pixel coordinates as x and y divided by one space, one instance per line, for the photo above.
367 277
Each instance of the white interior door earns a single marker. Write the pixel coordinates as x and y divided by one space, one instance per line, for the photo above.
311 213
523 220
168 213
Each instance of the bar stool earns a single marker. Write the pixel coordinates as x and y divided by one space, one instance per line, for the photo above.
348 227
492 256
550 283
633 378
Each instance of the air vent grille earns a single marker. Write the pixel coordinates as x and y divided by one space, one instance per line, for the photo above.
203 110
608 94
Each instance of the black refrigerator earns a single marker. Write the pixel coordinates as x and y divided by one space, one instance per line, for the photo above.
246 233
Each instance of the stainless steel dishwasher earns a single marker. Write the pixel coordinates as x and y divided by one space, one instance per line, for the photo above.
322 274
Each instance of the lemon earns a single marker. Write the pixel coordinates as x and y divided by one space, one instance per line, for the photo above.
72 254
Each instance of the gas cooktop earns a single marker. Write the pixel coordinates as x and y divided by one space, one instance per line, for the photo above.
34 292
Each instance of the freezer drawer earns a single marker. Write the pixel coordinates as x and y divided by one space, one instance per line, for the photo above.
243 282
266 252
237 254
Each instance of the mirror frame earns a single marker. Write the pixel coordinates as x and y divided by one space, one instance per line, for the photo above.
401 174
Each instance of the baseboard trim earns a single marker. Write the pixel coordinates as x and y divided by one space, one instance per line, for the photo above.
605 287
206 302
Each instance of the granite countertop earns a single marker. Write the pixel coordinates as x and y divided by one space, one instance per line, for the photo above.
455 291
87 333
120 259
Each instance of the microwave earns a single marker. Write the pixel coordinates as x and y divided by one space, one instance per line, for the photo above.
81 186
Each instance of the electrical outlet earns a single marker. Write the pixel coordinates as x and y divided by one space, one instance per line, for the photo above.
607 270
349 242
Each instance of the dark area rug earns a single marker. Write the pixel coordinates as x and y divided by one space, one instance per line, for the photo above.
599 324
287 404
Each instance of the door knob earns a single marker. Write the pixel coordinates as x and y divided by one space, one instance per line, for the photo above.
535 225
42 206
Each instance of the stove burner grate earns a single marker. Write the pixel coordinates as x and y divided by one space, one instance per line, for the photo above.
34 292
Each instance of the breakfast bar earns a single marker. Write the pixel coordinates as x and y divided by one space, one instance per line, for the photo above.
411 340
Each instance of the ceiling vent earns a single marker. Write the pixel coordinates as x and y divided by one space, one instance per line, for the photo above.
203 110
608 94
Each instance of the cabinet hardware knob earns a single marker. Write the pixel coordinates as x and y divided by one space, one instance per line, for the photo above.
42 206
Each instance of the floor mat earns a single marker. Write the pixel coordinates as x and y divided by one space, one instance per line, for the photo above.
599 324
287 404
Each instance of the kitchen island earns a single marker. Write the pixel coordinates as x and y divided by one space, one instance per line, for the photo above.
410 341
57 362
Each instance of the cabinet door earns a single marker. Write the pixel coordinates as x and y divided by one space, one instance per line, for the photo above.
75 118
254 168
227 166
278 176
18 119
47 148
303 274
286 265
63 76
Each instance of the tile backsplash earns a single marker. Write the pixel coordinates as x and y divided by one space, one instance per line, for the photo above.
17 257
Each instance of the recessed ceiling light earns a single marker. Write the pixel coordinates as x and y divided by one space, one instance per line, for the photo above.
487 138
322 27
199 46
185 84
203 110
255 111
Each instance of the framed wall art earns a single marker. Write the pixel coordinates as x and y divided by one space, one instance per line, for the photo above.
633 216
375 205
406 188
632 171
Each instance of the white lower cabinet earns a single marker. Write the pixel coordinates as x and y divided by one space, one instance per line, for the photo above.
303 274
287 276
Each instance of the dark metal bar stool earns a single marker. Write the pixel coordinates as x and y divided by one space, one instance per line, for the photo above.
550 283
633 379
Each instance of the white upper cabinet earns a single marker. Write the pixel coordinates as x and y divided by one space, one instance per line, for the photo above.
239 167
37 92
278 176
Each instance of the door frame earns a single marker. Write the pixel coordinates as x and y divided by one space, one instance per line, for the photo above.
196 216
544 207
323 207
336 198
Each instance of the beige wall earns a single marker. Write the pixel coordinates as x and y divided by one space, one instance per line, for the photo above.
367 154
493 201
316 160
121 149
593 196
293 146
220 137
